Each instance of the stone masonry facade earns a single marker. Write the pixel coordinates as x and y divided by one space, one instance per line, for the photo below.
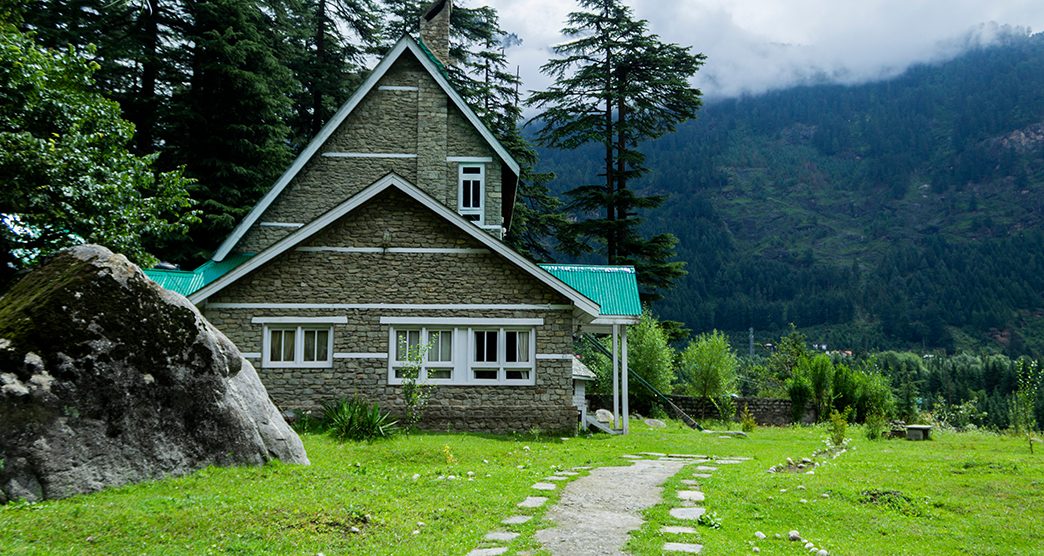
467 275
406 113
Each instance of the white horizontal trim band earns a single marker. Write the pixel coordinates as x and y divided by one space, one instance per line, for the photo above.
397 88
473 159
360 356
555 356
437 250
299 320
396 306
462 321
281 224
251 354
334 154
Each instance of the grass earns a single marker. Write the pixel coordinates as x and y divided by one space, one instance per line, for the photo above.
961 493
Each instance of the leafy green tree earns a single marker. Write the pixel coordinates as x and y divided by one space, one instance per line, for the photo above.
651 357
67 175
617 85
819 371
708 366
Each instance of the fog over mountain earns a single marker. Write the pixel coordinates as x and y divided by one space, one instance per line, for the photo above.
759 45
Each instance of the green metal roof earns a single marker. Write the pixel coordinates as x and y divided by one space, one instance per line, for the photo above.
187 282
614 288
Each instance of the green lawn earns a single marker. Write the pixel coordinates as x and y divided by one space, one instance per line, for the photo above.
966 493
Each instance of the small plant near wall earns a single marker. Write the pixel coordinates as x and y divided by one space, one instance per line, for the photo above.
837 429
356 419
876 424
415 394
747 422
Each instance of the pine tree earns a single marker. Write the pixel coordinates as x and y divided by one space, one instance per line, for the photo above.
229 119
617 85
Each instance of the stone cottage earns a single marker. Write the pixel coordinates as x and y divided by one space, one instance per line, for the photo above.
382 240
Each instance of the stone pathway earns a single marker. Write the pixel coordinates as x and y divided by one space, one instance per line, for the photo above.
597 512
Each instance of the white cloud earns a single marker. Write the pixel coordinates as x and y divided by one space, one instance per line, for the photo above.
757 45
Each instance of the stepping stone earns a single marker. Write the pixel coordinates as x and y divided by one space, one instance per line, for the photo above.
705 468
556 478
690 495
728 461
682 547
632 456
517 519
690 482
544 486
689 456
687 514
500 536
532 502
678 530
672 458
701 475
740 458
488 551
653 454
566 473
582 467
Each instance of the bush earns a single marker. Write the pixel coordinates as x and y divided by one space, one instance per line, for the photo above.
650 357
837 428
708 366
876 424
800 391
355 419
747 422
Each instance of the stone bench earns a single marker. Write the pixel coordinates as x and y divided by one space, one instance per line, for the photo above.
918 432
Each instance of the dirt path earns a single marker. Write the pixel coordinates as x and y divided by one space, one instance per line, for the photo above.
596 512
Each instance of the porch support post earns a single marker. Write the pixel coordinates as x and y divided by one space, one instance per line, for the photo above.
616 376
623 379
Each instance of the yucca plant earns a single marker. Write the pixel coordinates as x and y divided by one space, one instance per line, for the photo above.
356 419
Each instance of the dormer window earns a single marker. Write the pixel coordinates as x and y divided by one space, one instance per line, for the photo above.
472 192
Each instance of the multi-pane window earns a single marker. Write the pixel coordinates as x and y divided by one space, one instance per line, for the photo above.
471 193
428 352
501 355
463 355
298 346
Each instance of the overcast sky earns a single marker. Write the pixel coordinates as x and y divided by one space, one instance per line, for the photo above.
756 45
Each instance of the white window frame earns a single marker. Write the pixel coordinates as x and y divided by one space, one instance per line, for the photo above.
479 211
501 365
298 362
394 363
462 360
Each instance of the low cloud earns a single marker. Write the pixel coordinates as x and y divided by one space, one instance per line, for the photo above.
759 45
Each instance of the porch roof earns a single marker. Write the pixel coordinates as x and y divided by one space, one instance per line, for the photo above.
614 288
187 282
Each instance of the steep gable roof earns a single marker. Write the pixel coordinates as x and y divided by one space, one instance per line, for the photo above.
405 44
578 299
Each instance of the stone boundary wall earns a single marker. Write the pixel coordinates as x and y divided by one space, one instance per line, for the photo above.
766 411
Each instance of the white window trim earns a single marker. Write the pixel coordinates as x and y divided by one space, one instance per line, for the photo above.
463 350
501 365
479 211
297 363
453 321
300 320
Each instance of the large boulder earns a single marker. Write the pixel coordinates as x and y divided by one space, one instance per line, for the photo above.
107 378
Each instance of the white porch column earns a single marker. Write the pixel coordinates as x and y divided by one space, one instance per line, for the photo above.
616 377
623 379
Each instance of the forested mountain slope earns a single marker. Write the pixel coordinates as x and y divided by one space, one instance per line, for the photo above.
907 212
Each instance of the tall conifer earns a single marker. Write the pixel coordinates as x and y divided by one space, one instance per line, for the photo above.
617 85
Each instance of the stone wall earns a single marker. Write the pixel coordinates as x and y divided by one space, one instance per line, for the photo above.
766 411
421 122
350 279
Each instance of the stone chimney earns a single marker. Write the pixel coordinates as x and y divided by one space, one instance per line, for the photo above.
435 28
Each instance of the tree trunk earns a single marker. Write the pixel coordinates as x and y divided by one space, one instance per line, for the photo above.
320 59
147 102
610 198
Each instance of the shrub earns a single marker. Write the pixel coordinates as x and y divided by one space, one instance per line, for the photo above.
651 357
837 428
355 419
800 391
1023 401
820 372
708 366
747 422
876 424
